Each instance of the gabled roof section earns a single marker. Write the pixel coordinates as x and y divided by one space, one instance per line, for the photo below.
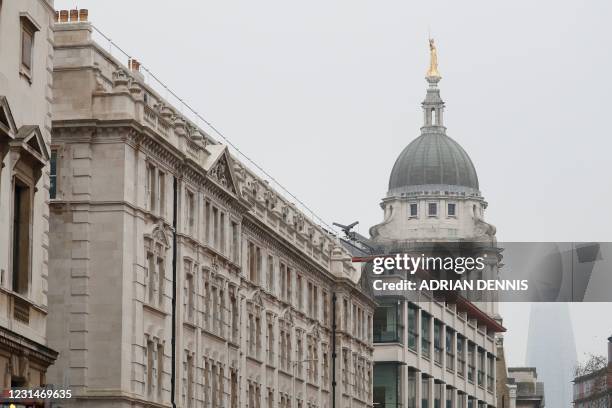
30 139
218 168
7 123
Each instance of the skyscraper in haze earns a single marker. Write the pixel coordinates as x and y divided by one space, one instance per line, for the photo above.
552 350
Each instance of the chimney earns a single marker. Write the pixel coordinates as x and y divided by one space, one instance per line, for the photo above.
63 16
83 14
134 65
74 15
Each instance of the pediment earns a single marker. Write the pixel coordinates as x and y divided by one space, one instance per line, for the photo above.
160 234
218 168
7 123
30 139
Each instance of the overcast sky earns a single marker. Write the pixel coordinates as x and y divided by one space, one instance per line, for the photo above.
325 95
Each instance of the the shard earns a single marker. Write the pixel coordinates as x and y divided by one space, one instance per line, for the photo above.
552 350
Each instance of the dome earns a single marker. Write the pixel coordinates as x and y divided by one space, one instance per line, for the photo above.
433 161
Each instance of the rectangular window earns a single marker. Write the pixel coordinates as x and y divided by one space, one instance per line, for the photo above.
235 242
490 371
215 215
251 259
425 336
270 341
190 296
425 392
481 366
450 351
452 209
22 213
222 232
299 290
190 379
449 398
161 280
270 279
437 342
325 308
190 215
207 220
432 209
151 187
412 389
27 45
387 323
438 395
460 356
414 209
53 175
161 176
151 273
288 294
471 362
283 276
160 368
460 400
150 368
412 328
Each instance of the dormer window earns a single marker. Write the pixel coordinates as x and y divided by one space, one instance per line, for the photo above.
432 209
414 210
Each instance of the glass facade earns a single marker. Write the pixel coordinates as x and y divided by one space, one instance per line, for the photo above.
425 393
386 385
387 323
425 335
412 328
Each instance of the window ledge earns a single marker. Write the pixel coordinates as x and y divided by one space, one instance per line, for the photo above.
155 309
25 74
189 324
253 358
213 334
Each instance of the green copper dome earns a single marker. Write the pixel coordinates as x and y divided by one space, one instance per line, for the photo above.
433 159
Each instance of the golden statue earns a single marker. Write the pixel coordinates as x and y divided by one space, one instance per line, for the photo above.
433 62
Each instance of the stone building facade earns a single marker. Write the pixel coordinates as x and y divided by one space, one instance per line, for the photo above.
432 353
26 58
179 275
525 391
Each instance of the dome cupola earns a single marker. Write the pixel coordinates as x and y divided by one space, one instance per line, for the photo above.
433 161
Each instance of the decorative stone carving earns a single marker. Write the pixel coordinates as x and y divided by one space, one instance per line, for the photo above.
120 80
220 173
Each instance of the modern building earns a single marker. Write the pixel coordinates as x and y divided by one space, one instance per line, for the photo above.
431 353
26 58
525 389
555 360
179 276
594 389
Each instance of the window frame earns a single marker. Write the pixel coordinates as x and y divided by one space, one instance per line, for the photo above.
448 207
27 26
416 212
429 213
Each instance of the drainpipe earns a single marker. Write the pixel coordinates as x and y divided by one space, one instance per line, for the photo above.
174 226
334 299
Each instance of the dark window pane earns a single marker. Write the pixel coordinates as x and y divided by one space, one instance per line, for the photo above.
27 40
433 209
53 175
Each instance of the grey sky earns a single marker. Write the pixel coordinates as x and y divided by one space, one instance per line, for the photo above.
326 94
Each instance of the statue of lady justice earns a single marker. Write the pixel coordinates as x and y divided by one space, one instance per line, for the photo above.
433 62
